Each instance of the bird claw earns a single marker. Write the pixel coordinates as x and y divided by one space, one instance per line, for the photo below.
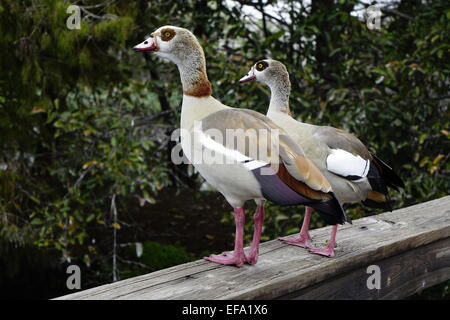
228 258
252 258
326 251
303 241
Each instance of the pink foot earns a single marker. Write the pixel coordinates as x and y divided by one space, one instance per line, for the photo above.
229 258
252 258
237 256
325 251
303 240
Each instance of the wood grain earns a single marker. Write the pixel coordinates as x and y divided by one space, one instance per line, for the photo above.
410 245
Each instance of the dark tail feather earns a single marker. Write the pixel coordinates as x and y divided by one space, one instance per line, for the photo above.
389 176
379 185
380 177
331 211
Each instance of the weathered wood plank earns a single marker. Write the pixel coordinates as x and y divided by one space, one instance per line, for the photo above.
410 245
402 275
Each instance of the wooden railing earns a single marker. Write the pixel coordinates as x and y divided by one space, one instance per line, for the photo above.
409 249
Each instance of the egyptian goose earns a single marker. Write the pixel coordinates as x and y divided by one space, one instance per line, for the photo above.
240 175
354 173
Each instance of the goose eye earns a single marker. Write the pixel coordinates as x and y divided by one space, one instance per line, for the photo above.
260 66
167 34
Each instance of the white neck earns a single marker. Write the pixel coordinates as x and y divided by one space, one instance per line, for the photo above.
195 109
191 64
197 99
193 77
279 98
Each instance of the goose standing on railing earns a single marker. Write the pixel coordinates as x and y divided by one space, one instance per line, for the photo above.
354 172
242 176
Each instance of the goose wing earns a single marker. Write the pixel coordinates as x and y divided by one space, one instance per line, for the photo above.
268 146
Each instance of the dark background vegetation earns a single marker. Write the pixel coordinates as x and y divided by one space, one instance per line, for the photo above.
85 123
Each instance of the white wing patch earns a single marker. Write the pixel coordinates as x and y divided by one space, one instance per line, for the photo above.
215 146
229 154
254 164
347 164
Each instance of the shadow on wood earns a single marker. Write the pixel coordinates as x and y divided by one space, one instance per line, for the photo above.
411 246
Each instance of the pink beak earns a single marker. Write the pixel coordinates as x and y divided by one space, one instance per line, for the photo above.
250 76
147 45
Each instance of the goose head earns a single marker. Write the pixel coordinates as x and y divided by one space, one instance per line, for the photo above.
267 71
181 47
275 75
172 43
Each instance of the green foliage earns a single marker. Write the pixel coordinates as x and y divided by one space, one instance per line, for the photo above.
85 121
154 256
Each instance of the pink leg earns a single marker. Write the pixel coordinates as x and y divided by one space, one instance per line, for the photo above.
237 257
328 250
304 239
258 224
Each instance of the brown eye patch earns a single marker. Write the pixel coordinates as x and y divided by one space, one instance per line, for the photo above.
261 65
167 34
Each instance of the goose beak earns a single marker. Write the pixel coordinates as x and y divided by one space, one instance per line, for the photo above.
248 77
147 45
